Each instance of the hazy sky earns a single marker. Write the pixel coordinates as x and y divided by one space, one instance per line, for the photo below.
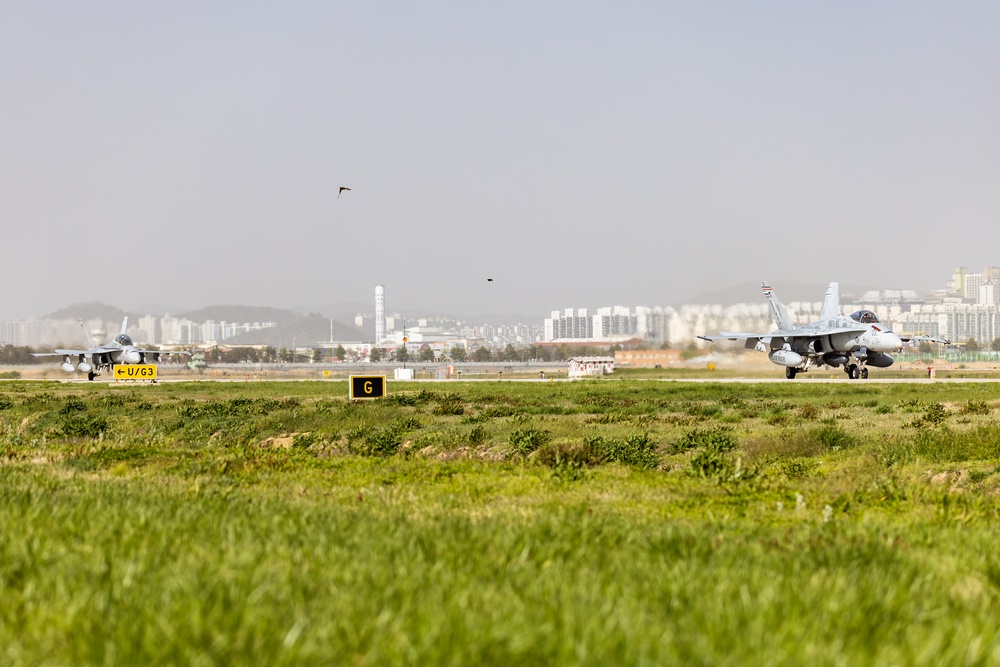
579 153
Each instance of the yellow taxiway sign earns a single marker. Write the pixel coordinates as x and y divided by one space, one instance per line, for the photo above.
135 372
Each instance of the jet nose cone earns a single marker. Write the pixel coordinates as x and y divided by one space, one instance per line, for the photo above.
895 341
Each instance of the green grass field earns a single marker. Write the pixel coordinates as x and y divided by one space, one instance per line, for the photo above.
599 522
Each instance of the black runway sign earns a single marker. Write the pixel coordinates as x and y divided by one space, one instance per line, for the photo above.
367 386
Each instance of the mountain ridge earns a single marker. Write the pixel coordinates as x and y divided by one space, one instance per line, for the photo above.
310 326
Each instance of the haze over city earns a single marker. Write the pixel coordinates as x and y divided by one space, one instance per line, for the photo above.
188 154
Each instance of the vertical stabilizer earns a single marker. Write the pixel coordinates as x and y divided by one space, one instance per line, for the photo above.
781 319
124 325
90 341
831 303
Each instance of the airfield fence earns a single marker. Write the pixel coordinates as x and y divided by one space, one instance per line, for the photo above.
951 357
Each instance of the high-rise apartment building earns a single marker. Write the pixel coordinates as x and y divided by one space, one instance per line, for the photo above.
572 323
379 314
614 321
958 279
973 281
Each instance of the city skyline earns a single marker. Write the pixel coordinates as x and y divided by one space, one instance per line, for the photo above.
738 292
188 155
966 306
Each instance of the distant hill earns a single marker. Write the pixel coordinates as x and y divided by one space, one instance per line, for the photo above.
240 314
301 330
156 308
346 310
90 310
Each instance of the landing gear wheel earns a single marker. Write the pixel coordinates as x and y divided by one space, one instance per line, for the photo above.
853 372
864 373
90 376
790 372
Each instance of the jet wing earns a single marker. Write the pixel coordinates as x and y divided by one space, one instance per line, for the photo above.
922 339
735 335
101 350
816 333
63 353
155 355
783 333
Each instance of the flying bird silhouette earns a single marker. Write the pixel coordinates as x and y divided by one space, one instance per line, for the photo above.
489 280
341 191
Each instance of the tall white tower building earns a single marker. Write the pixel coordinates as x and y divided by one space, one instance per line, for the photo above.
379 314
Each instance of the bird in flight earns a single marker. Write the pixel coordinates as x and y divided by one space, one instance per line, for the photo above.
341 191
489 280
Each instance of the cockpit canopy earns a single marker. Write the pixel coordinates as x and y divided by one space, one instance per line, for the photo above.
123 340
864 316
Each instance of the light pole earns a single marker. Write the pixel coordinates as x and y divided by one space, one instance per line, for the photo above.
404 341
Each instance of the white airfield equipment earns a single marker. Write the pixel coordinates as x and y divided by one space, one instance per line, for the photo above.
97 358
854 342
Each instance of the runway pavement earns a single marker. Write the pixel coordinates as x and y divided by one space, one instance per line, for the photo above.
389 380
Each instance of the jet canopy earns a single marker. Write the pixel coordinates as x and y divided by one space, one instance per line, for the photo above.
123 340
865 317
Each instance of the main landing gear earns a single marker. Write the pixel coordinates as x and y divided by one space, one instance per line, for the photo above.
790 372
854 372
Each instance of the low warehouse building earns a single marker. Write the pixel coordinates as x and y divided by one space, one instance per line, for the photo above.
590 366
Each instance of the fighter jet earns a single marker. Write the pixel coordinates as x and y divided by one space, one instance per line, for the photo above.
97 358
854 342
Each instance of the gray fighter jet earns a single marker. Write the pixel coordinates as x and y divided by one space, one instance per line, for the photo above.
854 342
98 358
